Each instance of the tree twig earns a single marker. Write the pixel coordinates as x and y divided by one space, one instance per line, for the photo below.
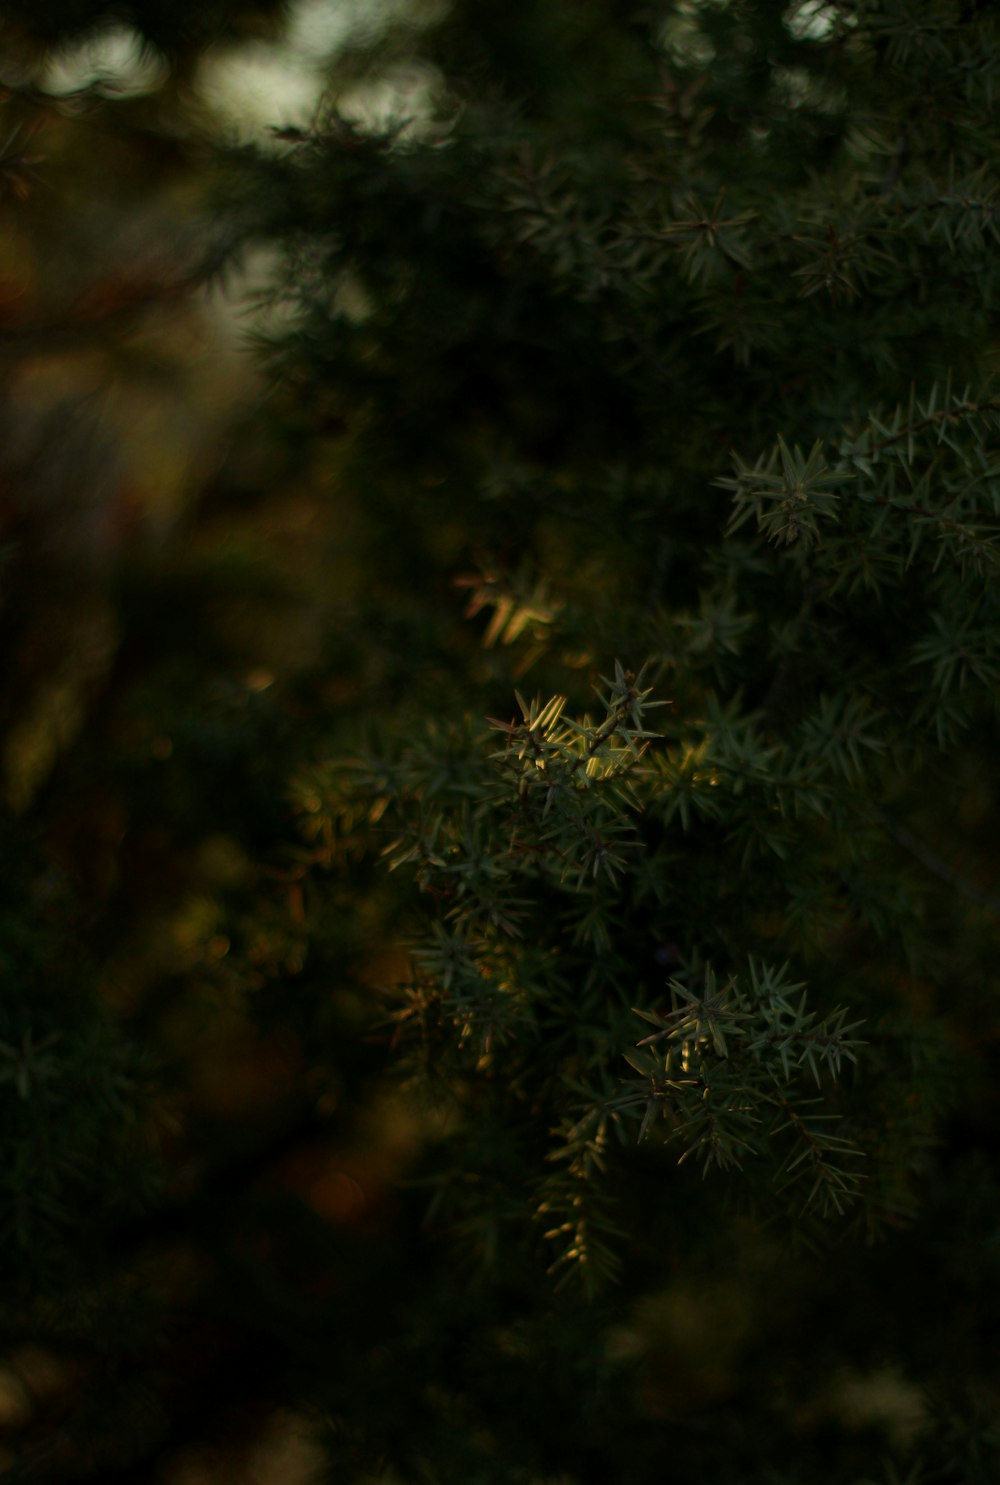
938 868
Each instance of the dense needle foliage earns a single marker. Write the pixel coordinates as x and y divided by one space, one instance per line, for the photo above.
642 783
702 367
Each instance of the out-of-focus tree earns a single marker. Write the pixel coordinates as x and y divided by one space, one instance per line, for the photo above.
178 30
164 587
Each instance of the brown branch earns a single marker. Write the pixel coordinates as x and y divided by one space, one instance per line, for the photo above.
938 868
946 414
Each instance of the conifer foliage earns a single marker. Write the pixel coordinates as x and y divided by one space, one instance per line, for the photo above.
683 316
650 366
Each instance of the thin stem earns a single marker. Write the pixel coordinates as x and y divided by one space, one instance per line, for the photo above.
939 868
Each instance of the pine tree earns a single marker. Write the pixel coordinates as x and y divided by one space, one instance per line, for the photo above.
645 768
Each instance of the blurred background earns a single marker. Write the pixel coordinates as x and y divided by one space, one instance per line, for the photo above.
175 558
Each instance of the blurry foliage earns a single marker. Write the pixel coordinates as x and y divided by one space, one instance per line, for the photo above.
166 588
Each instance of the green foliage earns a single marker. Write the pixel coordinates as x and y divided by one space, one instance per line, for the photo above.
741 249
626 367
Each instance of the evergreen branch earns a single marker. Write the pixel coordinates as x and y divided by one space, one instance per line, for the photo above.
953 414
